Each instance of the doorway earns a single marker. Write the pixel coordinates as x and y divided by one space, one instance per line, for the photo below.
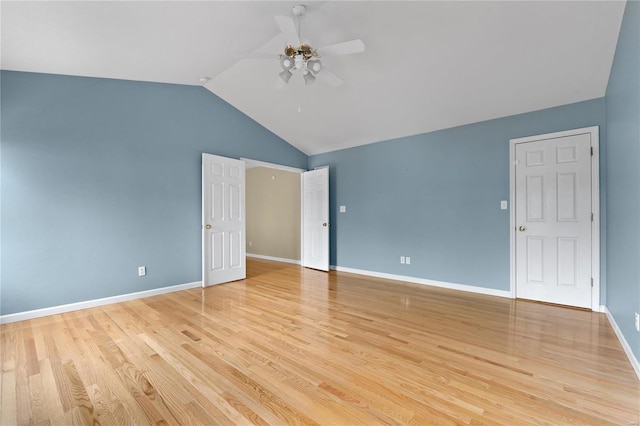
225 202
273 211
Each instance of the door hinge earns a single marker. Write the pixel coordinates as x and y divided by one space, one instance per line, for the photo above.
591 282
591 217
592 151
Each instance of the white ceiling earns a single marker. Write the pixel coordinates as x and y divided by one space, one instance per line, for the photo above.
428 65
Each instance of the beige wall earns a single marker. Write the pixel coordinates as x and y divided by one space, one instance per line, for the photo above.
273 213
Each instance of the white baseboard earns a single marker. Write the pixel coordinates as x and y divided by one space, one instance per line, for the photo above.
414 280
627 349
275 259
38 313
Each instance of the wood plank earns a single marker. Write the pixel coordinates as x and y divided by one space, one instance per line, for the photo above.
9 403
54 410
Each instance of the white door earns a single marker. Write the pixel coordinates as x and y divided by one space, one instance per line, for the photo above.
553 220
223 222
315 219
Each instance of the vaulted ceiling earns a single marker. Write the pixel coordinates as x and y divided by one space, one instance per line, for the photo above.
427 66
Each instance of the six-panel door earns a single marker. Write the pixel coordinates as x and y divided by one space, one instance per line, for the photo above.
553 220
223 219
315 219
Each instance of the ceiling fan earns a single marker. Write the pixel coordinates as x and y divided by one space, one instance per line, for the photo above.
301 57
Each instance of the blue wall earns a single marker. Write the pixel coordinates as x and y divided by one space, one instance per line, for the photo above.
623 180
101 176
436 198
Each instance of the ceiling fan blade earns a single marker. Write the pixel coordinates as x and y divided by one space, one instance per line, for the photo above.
344 48
330 77
288 28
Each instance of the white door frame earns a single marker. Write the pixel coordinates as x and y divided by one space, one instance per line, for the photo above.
595 206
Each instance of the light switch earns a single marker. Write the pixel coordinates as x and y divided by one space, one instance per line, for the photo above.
343 209
503 205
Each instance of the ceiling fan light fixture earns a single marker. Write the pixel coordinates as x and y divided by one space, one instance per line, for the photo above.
309 78
286 63
314 65
285 76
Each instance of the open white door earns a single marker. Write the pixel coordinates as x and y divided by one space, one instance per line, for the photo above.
223 223
315 219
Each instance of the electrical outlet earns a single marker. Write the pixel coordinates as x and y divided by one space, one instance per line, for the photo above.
637 321
408 260
250 243
142 271
402 259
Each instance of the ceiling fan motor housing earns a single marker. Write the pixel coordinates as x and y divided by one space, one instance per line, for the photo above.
298 10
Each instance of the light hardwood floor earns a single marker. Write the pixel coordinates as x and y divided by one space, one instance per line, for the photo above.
296 346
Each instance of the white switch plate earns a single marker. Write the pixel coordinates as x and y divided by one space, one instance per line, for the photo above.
503 205
408 260
142 271
343 209
402 259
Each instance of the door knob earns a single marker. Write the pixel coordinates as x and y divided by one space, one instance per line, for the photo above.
324 224
522 228
207 226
